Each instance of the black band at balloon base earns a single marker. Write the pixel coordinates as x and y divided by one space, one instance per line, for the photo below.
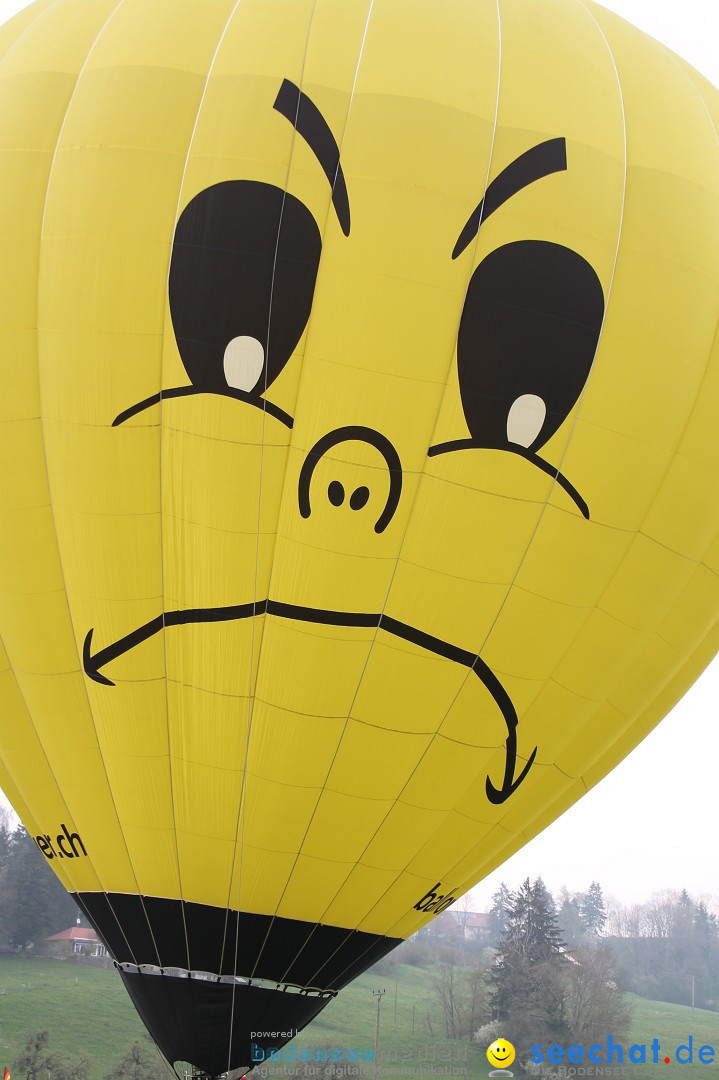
164 933
218 1026
208 982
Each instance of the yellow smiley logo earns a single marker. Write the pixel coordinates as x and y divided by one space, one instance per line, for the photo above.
500 1054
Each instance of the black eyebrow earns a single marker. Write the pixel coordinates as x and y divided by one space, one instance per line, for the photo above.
542 160
309 122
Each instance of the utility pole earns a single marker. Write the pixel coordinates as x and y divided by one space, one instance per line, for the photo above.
379 994
692 991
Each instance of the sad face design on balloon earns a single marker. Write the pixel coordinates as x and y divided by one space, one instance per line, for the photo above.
244 266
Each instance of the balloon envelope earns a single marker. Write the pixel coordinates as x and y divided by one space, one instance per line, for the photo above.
358 461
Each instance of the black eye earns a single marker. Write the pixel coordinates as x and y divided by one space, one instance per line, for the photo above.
526 342
242 275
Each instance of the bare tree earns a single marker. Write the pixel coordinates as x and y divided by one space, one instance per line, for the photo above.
462 993
36 1062
660 914
139 1063
625 920
595 1006
447 985
461 911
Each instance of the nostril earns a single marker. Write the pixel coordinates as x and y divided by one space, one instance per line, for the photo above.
336 493
359 498
335 490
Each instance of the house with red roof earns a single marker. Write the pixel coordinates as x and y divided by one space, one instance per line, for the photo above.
459 925
76 940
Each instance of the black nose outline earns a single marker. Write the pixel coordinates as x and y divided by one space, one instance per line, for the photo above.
353 434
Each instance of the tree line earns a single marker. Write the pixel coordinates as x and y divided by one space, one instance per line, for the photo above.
668 948
37 1061
531 983
33 903
555 970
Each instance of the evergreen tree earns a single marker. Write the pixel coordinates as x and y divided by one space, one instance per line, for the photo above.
5 840
683 950
706 927
35 903
571 923
705 957
499 913
592 909
526 983
5 837
546 927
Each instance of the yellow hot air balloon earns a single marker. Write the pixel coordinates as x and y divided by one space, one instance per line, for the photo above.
358 463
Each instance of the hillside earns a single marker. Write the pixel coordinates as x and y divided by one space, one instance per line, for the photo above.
88 1013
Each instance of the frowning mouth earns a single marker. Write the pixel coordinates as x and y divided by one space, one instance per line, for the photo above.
93 662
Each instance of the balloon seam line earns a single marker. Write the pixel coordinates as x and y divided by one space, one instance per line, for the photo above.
423 473
180 192
51 170
360 55
606 307
240 825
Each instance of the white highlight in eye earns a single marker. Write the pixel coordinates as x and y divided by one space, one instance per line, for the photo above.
244 361
525 419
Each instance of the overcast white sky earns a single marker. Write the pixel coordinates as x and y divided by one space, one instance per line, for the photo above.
654 822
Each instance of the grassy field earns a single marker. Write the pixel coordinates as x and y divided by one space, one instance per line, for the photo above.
86 1010
88 1013
672 1025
